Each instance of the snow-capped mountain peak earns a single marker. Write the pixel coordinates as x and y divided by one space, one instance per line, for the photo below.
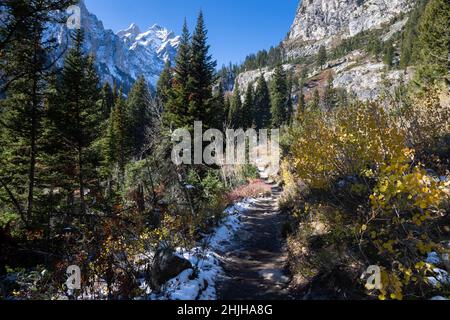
123 56
156 39
131 32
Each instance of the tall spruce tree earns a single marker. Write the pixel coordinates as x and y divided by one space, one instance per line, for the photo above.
220 109
139 109
78 118
301 98
236 111
176 109
330 95
202 77
248 108
322 57
389 54
107 98
25 67
279 97
165 83
227 109
290 104
314 104
263 115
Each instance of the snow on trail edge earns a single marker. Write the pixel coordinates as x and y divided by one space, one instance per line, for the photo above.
201 283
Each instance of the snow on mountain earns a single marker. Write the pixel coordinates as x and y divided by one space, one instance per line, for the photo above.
123 56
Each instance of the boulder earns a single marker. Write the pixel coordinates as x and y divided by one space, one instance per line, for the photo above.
166 266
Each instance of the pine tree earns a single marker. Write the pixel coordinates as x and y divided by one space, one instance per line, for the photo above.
220 109
433 43
314 104
202 77
375 45
164 86
301 99
139 116
227 109
236 111
176 108
78 118
107 98
330 96
389 54
279 97
290 104
248 108
24 73
342 97
263 116
322 57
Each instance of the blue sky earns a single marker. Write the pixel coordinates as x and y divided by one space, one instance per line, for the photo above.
236 27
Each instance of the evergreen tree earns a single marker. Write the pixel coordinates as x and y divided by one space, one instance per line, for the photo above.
164 86
220 109
248 108
342 98
236 111
322 57
301 99
176 108
78 118
24 66
139 116
107 98
389 54
330 96
433 43
227 109
375 45
202 77
22 21
263 116
290 105
279 97
314 104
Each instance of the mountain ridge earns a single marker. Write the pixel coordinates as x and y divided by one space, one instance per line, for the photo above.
123 56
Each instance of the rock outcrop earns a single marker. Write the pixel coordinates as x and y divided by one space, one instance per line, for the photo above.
326 22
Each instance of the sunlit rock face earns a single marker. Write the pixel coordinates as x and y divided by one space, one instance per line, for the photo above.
325 22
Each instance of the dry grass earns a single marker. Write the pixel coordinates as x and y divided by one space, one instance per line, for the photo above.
254 189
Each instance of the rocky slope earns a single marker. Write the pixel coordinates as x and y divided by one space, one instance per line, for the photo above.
124 56
325 22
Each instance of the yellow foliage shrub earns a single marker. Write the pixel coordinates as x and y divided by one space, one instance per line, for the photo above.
400 204
346 142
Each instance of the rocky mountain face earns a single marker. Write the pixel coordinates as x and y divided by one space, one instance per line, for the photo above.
325 22
124 56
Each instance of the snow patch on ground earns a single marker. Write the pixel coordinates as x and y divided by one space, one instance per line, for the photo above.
200 283
441 278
